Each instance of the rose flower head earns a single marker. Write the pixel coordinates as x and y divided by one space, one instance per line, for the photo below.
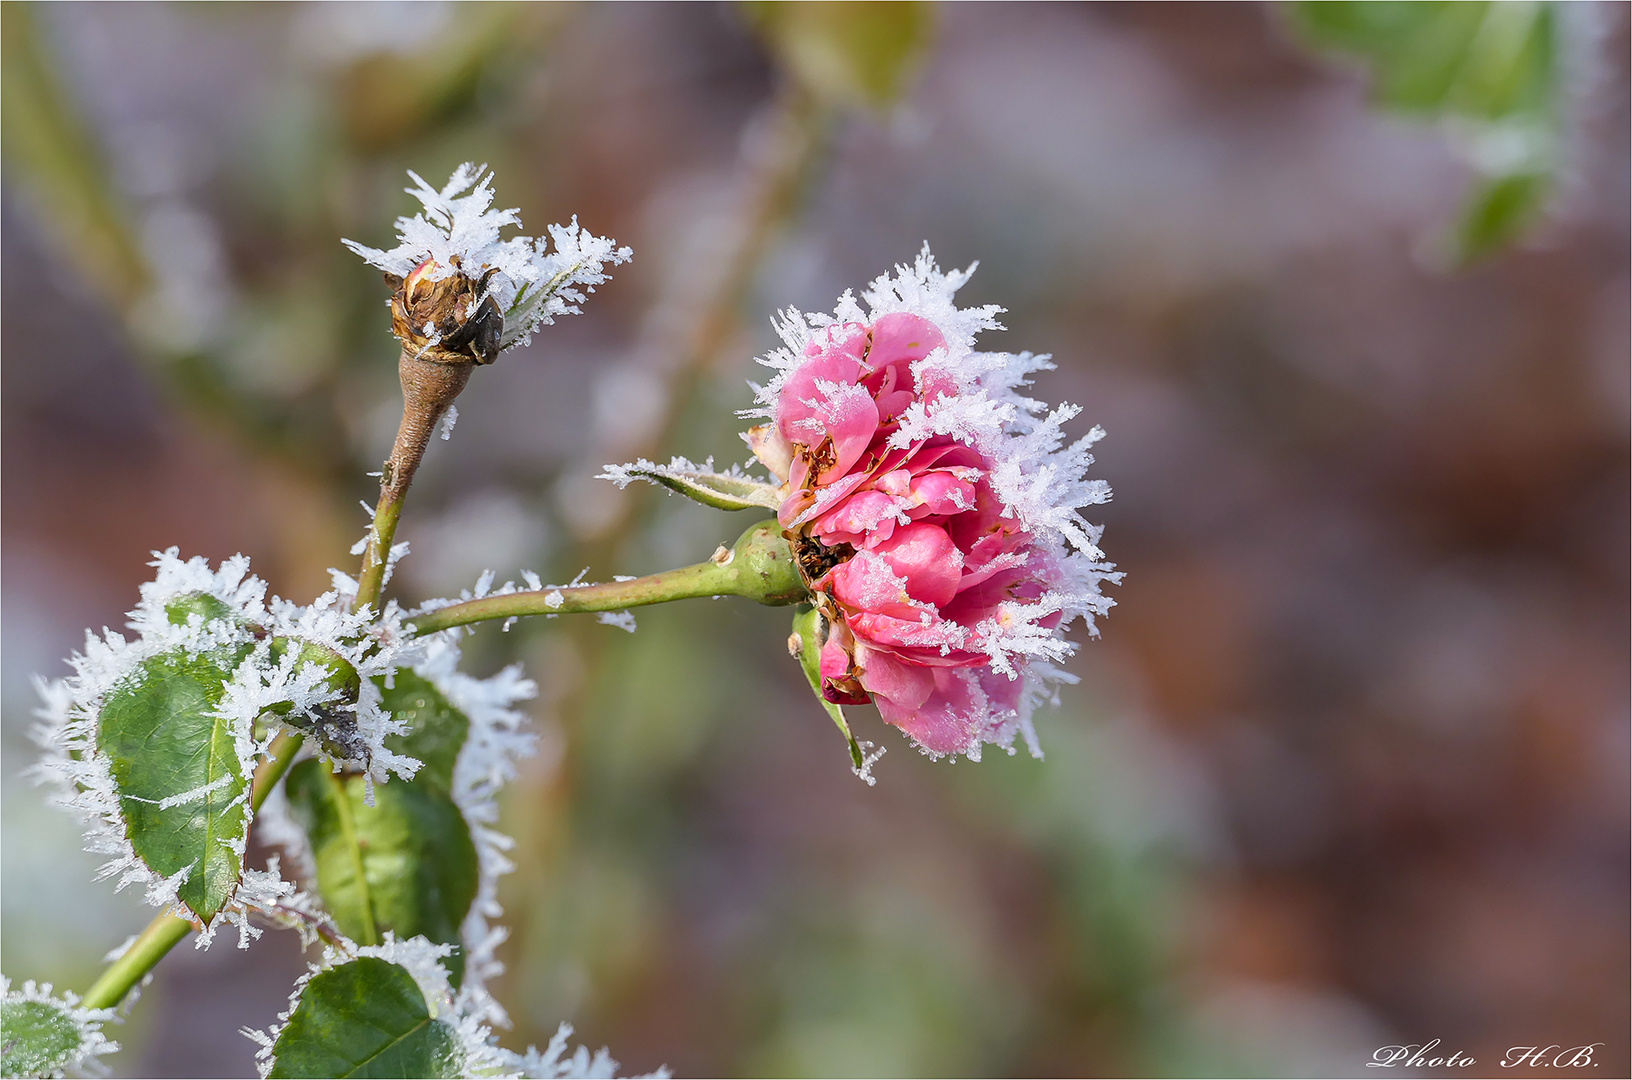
933 509
462 294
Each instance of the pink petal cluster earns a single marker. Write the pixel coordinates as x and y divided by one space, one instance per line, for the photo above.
892 443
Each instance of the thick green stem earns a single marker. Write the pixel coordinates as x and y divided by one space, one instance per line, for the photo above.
760 566
279 756
162 934
166 931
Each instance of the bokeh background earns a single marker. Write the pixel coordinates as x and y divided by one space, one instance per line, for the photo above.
1349 766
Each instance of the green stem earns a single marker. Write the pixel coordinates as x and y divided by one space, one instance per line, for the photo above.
162 934
166 931
279 756
760 566
371 582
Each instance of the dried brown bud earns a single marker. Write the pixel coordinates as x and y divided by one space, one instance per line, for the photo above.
448 321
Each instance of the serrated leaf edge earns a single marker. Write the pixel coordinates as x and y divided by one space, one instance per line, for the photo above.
84 778
421 959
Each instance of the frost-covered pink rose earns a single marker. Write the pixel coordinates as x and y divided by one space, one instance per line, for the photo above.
933 511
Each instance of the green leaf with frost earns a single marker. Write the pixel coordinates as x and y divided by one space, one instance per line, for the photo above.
847 52
807 628
366 1017
408 863
39 1038
42 1035
722 491
436 730
202 604
1492 71
334 729
182 788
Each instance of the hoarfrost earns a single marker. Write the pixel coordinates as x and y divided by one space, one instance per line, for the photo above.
554 1062
464 1014
459 229
623 620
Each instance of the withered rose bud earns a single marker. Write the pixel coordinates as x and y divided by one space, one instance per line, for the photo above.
461 296
452 321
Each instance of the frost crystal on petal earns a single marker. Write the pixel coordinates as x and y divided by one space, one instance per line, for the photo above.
936 510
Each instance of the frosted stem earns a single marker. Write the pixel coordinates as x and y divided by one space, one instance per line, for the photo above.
760 566
429 387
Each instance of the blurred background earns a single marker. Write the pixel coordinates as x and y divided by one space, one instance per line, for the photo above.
1349 766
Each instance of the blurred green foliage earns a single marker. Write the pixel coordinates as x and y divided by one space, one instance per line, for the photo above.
847 52
303 335
1491 68
43 134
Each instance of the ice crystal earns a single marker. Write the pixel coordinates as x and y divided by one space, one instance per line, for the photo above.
72 708
421 958
677 468
268 896
623 620
373 647
498 738
93 1044
459 230
554 596
554 1063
